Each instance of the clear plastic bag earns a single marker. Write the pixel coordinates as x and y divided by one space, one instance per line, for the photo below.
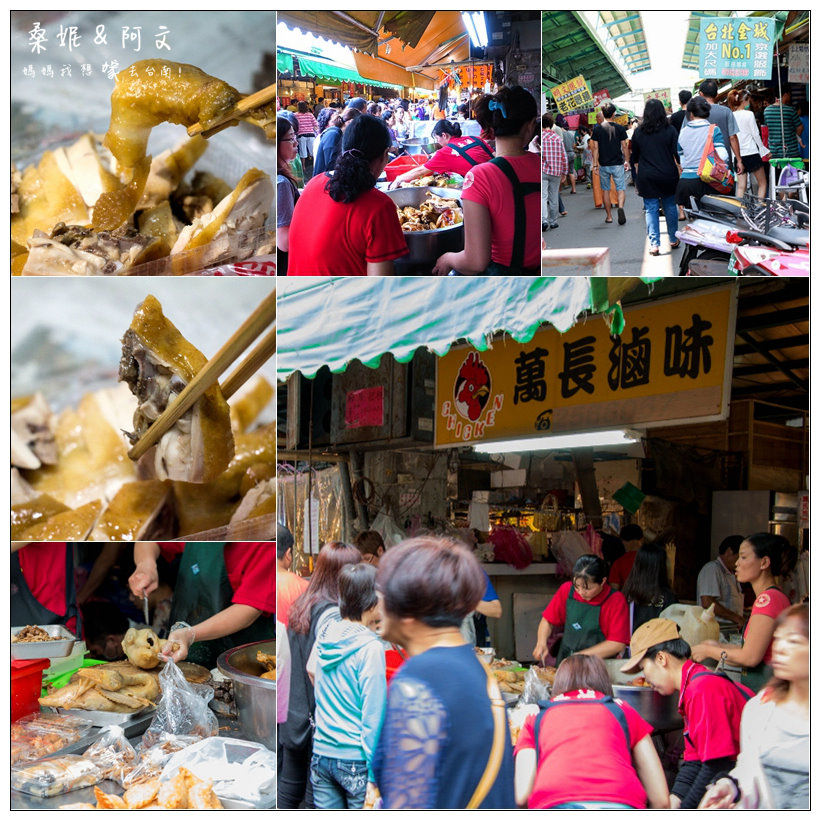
535 687
32 739
153 760
243 773
57 775
113 755
182 709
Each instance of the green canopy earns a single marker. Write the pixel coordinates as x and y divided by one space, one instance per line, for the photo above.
331 321
284 63
332 73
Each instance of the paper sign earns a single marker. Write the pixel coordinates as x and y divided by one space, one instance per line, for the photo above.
573 95
311 533
799 63
364 408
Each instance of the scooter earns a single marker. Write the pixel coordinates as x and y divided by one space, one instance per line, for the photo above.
773 233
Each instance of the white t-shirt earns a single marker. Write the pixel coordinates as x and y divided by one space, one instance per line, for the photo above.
748 134
716 581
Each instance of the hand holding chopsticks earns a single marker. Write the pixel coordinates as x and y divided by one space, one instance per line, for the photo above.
251 328
241 109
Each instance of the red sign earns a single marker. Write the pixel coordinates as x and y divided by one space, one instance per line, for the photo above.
600 96
364 408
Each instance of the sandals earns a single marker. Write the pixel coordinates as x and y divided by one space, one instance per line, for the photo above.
654 251
621 216
675 244
608 221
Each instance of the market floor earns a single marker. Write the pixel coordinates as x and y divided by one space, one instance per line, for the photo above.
628 244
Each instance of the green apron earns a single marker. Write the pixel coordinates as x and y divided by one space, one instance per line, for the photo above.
582 627
202 590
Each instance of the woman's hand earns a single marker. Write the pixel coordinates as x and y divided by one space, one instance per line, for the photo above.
144 580
179 642
443 265
540 652
702 651
719 796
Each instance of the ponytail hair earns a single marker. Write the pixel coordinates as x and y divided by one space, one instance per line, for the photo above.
365 139
452 129
510 110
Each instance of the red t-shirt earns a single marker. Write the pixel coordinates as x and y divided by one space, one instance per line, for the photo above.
251 567
448 161
329 238
770 602
43 567
289 586
621 567
487 185
584 756
614 618
711 706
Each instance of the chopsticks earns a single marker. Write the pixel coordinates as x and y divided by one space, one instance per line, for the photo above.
241 109
263 316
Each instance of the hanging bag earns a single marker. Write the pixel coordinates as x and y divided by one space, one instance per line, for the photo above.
713 170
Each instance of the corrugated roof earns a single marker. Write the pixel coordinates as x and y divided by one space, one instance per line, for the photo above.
627 33
570 48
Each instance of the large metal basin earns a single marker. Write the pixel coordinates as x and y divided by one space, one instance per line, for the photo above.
659 710
426 246
255 697
418 145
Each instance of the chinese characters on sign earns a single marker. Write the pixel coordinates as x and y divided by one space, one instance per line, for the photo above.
740 48
573 95
599 97
364 408
668 365
68 39
662 94
799 63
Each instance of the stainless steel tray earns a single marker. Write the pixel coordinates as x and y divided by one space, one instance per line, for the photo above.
44 649
98 718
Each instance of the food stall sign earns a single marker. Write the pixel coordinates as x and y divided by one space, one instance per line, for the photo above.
740 48
600 97
364 408
662 94
573 95
671 365
799 63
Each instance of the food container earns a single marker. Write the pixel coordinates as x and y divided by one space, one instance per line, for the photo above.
255 696
401 164
26 684
44 649
99 718
56 775
419 146
659 710
486 654
426 246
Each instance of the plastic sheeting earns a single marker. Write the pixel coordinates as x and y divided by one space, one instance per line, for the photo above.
330 322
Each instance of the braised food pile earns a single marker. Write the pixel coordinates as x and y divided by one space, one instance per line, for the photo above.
33 634
269 662
435 212
432 181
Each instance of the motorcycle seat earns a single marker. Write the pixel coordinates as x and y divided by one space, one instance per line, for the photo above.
725 204
796 237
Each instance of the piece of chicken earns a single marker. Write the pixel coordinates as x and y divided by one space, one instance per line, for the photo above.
157 363
142 647
142 794
132 512
108 801
32 436
70 525
173 793
202 796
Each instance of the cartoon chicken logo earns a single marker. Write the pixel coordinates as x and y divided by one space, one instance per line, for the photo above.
472 388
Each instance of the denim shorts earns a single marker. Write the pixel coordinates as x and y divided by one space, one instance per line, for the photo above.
617 173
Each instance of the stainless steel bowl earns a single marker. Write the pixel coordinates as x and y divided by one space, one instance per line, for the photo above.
255 697
418 145
426 246
659 710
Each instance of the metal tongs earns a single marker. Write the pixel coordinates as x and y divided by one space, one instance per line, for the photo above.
145 609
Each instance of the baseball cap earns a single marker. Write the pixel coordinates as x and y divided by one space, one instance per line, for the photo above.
658 630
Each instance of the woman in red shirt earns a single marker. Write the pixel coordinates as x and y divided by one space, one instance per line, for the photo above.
758 563
586 749
456 154
502 198
341 225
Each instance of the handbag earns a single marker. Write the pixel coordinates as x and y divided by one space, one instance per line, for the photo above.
713 170
497 750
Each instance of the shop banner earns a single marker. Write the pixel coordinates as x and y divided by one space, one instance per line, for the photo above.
662 94
573 95
671 365
600 97
799 63
737 47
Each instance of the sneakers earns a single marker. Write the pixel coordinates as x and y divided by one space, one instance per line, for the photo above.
553 225
621 216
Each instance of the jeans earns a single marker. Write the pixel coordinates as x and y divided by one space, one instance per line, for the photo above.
294 788
549 198
617 173
653 223
591 804
338 784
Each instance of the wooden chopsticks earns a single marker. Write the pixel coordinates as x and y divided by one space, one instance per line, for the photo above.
249 330
241 109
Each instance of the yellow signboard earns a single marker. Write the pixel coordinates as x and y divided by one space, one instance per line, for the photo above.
671 365
573 95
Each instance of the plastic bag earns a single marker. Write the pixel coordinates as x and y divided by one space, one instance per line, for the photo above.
182 710
536 687
56 775
386 526
239 769
113 755
153 760
568 546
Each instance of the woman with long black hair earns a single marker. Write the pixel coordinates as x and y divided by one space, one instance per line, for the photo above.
655 155
502 198
287 190
647 586
342 225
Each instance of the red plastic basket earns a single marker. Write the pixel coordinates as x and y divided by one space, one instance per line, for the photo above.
401 164
26 684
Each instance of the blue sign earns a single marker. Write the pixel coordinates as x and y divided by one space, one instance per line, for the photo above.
738 48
